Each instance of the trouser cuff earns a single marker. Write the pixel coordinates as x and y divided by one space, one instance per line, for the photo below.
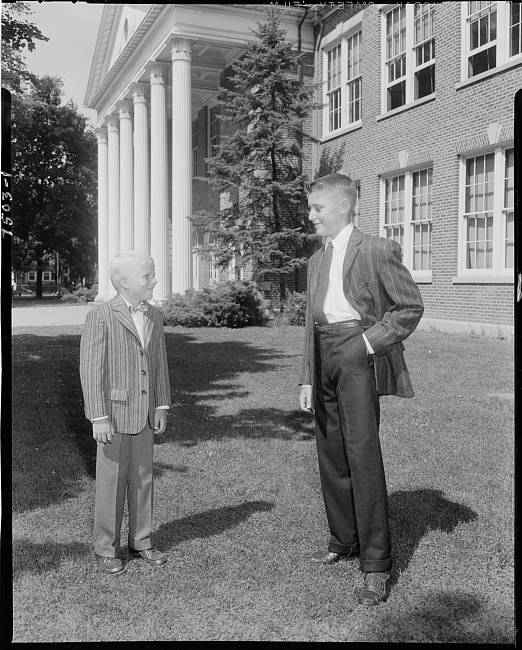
370 566
141 545
106 551
344 549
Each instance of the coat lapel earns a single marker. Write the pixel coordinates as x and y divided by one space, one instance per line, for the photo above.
148 326
351 250
123 315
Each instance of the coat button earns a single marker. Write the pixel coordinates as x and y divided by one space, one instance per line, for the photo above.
141 353
143 392
143 372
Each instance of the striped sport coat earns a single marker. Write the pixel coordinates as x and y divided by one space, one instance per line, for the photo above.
120 378
381 289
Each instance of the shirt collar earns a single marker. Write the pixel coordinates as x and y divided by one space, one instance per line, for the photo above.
341 239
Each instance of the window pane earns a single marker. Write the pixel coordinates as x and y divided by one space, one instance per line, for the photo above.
425 82
509 179
397 95
510 241
515 31
482 61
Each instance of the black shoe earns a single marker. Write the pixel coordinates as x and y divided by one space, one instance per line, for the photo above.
329 557
110 565
374 589
150 555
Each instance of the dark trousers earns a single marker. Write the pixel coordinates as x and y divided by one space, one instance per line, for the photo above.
348 448
124 469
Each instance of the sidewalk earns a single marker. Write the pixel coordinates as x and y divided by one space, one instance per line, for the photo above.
46 316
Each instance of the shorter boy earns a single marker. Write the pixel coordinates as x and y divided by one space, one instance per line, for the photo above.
125 382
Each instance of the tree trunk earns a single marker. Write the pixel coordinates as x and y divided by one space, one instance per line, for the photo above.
39 272
282 290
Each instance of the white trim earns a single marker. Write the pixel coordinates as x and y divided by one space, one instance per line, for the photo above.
341 30
494 330
513 63
485 279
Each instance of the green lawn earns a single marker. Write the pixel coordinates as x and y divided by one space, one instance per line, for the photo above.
238 504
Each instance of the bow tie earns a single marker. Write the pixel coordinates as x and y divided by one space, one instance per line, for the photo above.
141 307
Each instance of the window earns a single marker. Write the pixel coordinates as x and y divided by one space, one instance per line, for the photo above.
407 217
31 276
493 35
195 148
487 223
409 54
343 87
46 276
213 131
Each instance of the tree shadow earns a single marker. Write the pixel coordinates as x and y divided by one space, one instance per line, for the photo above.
53 447
206 524
413 514
37 558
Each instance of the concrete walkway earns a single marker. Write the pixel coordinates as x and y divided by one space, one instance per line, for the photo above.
47 315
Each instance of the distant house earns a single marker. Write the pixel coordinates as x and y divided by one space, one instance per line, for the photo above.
418 110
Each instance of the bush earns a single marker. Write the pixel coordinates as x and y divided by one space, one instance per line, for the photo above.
225 304
81 295
294 309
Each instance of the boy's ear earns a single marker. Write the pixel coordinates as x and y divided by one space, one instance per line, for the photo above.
345 205
123 282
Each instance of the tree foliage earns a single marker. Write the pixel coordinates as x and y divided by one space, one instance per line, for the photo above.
259 160
17 36
54 180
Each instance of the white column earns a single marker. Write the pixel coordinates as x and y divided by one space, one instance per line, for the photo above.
181 55
103 214
126 178
113 239
141 170
159 208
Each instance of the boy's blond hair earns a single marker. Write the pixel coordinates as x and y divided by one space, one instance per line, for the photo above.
122 261
339 182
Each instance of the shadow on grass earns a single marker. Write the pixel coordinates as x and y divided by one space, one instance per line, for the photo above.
413 514
52 443
48 556
206 524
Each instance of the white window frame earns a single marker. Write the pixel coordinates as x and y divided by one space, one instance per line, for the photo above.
212 138
343 36
501 42
498 268
31 276
195 132
47 276
408 224
410 48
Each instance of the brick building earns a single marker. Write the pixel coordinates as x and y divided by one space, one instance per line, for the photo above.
418 110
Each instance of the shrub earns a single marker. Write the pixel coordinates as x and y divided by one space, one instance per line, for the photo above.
225 304
81 295
294 309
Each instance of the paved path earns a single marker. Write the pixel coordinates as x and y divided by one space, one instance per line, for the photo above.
45 315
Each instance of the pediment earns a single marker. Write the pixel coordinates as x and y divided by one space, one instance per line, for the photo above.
125 25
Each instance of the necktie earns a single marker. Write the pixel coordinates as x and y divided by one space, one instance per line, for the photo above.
141 307
322 287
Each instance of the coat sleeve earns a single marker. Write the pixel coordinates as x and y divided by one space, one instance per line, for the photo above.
163 383
93 358
403 296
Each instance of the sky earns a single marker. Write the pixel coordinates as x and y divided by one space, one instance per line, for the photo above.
72 30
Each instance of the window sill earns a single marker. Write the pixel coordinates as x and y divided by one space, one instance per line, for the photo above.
353 127
406 107
490 73
422 278
485 279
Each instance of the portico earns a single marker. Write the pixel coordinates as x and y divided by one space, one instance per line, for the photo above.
155 66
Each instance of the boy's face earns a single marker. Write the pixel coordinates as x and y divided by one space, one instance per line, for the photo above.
329 211
139 281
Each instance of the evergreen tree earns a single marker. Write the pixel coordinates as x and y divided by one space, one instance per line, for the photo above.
259 161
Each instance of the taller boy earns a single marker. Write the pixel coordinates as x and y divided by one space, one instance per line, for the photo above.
361 303
125 382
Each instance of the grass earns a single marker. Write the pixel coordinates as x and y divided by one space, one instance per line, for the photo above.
238 504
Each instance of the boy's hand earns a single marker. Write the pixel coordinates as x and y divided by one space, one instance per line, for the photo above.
305 398
160 420
103 431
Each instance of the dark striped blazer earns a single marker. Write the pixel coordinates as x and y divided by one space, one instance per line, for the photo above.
120 378
381 289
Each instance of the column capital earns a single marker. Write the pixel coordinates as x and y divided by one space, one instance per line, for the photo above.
180 48
113 122
124 109
158 72
139 92
101 134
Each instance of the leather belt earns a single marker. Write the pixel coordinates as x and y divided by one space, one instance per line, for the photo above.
331 327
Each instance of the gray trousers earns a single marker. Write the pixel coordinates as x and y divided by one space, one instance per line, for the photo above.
124 468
